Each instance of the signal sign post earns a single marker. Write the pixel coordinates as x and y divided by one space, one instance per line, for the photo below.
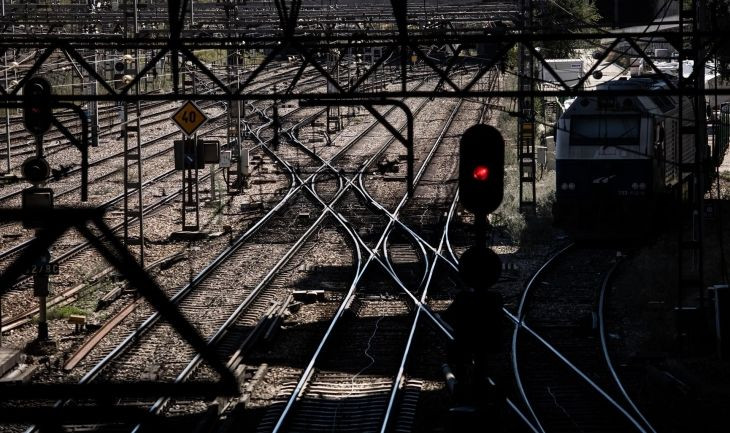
189 118
37 119
476 312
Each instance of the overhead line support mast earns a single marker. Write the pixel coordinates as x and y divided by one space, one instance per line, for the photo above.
526 117
133 206
692 131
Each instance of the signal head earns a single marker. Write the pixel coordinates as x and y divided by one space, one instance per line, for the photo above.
481 169
37 112
480 267
481 173
35 169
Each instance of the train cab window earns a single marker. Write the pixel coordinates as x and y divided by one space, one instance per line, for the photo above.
605 130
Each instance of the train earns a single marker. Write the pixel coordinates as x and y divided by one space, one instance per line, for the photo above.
617 158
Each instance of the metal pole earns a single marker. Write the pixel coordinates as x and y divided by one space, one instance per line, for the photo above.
7 110
526 118
239 138
139 140
197 184
7 118
94 106
42 319
212 184
192 15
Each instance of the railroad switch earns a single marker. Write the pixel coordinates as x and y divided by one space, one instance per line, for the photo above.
308 296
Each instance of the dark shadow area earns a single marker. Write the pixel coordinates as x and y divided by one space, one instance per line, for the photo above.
294 343
335 278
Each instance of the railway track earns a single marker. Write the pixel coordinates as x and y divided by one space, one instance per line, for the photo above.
154 181
560 361
72 252
67 291
160 404
16 190
109 115
305 183
67 294
183 294
319 400
154 154
362 306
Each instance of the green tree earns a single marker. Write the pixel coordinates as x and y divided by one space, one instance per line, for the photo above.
558 16
718 15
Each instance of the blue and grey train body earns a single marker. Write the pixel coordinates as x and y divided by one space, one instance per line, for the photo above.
617 158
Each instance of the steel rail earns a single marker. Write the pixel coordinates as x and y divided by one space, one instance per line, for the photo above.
119 197
519 322
427 159
184 291
349 297
55 148
426 285
430 270
215 339
159 404
265 82
199 278
520 314
316 79
376 257
604 346
361 189
114 200
113 156
443 242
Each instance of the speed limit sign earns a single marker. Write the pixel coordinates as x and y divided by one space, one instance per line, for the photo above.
189 118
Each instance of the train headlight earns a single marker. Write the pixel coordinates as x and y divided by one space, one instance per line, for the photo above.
642 186
564 186
634 186
571 186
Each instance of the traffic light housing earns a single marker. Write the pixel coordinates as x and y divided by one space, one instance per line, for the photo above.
481 169
37 112
35 170
480 267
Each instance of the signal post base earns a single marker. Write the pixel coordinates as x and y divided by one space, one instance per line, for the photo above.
41 347
189 235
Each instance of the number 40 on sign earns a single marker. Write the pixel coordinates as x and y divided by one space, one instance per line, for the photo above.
189 118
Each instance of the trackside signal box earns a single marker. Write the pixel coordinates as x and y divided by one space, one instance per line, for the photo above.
226 157
211 151
243 162
36 202
187 158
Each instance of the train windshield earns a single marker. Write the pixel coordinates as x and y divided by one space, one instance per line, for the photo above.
604 130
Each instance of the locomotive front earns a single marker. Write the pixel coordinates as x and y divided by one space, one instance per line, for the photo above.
607 175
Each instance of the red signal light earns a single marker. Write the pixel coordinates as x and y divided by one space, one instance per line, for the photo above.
480 173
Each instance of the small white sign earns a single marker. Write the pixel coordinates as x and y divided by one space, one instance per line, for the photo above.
225 160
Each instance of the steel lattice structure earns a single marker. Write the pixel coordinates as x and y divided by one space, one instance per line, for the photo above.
175 32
